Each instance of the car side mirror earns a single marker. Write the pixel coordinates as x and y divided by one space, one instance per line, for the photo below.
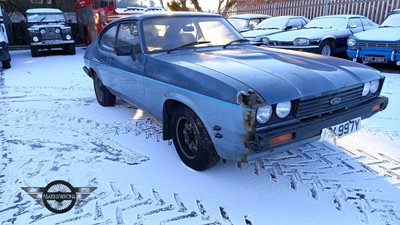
353 26
288 27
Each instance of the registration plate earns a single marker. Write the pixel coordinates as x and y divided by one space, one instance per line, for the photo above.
341 130
375 59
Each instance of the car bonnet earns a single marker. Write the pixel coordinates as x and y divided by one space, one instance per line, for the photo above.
380 34
278 75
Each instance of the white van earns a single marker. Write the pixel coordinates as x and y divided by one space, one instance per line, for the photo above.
4 54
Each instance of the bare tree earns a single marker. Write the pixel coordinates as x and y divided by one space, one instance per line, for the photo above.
196 5
162 4
180 5
225 5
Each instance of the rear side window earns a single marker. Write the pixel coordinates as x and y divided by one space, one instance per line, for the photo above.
127 34
356 22
108 38
366 23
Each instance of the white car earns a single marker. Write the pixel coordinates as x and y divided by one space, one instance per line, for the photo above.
274 25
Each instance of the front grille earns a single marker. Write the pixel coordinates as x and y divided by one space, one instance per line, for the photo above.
51 34
379 45
281 43
320 106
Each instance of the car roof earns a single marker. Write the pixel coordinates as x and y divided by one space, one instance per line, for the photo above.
347 16
396 11
250 16
155 14
43 10
288 16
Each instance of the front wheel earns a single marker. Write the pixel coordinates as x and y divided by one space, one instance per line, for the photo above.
326 48
103 95
192 142
6 64
69 49
34 51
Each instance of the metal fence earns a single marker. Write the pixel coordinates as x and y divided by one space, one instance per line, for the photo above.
376 10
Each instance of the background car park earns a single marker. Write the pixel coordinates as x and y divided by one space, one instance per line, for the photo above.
381 45
324 35
274 25
245 22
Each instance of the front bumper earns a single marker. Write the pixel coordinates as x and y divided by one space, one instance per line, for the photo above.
392 55
311 48
309 129
52 42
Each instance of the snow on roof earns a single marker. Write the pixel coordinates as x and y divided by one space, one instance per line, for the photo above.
43 10
341 15
250 16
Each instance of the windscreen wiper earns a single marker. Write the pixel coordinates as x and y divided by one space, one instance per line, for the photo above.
314 27
235 41
188 44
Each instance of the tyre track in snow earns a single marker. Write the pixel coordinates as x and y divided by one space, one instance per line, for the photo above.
322 168
29 151
325 169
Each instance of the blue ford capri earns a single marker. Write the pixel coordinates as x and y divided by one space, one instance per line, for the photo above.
219 96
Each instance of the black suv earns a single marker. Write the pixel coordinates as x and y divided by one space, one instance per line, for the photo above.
47 30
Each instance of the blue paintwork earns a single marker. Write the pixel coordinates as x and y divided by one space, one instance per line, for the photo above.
209 79
382 42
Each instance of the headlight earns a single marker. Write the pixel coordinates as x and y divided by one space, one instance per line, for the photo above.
351 42
35 39
301 41
366 88
42 31
57 31
265 40
68 37
374 85
283 109
264 113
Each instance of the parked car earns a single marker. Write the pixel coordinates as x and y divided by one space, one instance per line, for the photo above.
245 22
5 57
47 30
325 35
381 45
196 74
274 25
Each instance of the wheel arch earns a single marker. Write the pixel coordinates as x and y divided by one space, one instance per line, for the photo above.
169 104
331 39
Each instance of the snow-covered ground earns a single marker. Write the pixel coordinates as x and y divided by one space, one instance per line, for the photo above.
52 128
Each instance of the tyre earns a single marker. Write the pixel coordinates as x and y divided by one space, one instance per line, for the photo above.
103 95
192 142
326 48
6 64
70 49
34 51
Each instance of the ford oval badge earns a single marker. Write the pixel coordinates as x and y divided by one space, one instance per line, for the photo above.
336 101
